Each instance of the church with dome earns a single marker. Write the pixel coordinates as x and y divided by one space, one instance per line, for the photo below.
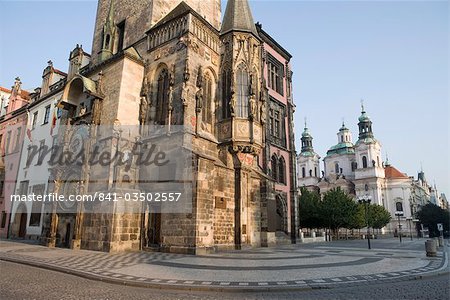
358 169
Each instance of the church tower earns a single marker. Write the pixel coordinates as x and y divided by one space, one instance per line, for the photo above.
369 174
308 163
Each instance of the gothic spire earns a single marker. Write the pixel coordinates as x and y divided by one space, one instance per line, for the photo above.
110 18
238 17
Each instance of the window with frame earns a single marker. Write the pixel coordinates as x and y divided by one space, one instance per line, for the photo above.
8 141
121 35
207 99
274 167
36 208
41 148
277 124
23 188
275 74
47 114
364 162
226 86
162 97
282 170
399 206
18 138
35 116
242 92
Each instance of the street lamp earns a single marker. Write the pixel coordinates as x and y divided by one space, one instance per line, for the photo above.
399 214
366 201
409 224
415 221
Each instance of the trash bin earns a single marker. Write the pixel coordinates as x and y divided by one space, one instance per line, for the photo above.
430 247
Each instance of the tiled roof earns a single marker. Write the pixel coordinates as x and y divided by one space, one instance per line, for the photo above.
3 89
391 172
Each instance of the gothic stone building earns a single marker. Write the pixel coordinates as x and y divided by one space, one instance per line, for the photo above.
159 62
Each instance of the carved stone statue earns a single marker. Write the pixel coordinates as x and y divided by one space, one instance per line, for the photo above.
170 98
232 104
251 86
263 112
82 110
252 105
143 108
199 100
17 87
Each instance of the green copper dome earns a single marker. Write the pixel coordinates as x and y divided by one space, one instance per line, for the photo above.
364 117
306 133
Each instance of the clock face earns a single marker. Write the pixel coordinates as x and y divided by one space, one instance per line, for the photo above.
76 143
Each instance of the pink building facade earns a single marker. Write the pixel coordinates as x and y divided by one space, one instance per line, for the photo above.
279 153
13 127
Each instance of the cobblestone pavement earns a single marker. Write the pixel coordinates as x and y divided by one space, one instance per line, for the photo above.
292 266
36 283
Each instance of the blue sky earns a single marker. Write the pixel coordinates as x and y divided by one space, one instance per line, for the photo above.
392 54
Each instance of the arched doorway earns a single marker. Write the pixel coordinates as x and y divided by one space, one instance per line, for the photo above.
152 227
19 226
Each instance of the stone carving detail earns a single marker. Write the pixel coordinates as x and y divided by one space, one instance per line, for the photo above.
199 94
185 90
234 149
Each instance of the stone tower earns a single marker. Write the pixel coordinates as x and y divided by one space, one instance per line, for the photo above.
121 23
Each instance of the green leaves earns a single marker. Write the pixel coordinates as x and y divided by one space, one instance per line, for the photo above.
309 207
430 215
378 216
338 210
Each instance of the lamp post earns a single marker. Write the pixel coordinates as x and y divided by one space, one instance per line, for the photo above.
415 221
399 214
409 224
366 201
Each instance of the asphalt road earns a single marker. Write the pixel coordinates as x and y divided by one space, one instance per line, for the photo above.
24 282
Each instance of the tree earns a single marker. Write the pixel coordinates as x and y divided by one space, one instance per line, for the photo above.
358 220
430 215
338 209
378 216
309 209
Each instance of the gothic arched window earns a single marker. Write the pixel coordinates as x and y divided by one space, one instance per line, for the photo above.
274 167
226 86
207 99
281 171
162 97
364 161
242 92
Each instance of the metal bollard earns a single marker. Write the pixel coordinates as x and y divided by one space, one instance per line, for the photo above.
430 248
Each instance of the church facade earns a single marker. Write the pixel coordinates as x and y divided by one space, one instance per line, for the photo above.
171 64
357 169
